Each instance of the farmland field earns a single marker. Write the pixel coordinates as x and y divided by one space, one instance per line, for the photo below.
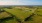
21 14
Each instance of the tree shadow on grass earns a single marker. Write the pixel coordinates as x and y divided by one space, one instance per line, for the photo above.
2 20
29 18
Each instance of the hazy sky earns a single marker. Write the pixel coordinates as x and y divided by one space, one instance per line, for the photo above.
20 2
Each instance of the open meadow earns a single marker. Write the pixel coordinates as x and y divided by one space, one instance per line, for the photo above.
20 14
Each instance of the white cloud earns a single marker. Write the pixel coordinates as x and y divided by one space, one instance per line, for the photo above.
15 2
19 2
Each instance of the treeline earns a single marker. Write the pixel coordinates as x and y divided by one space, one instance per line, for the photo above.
10 18
29 18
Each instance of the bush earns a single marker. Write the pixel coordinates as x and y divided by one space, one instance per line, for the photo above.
1 10
29 18
6 19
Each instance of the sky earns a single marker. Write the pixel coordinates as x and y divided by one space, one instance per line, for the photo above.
20 2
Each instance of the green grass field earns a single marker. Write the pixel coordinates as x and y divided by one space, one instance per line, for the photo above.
22 13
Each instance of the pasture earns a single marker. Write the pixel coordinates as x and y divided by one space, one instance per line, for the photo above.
21 13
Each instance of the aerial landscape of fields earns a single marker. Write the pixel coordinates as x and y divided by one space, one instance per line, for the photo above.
20 14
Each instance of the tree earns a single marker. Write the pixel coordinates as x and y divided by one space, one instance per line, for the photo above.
9 7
